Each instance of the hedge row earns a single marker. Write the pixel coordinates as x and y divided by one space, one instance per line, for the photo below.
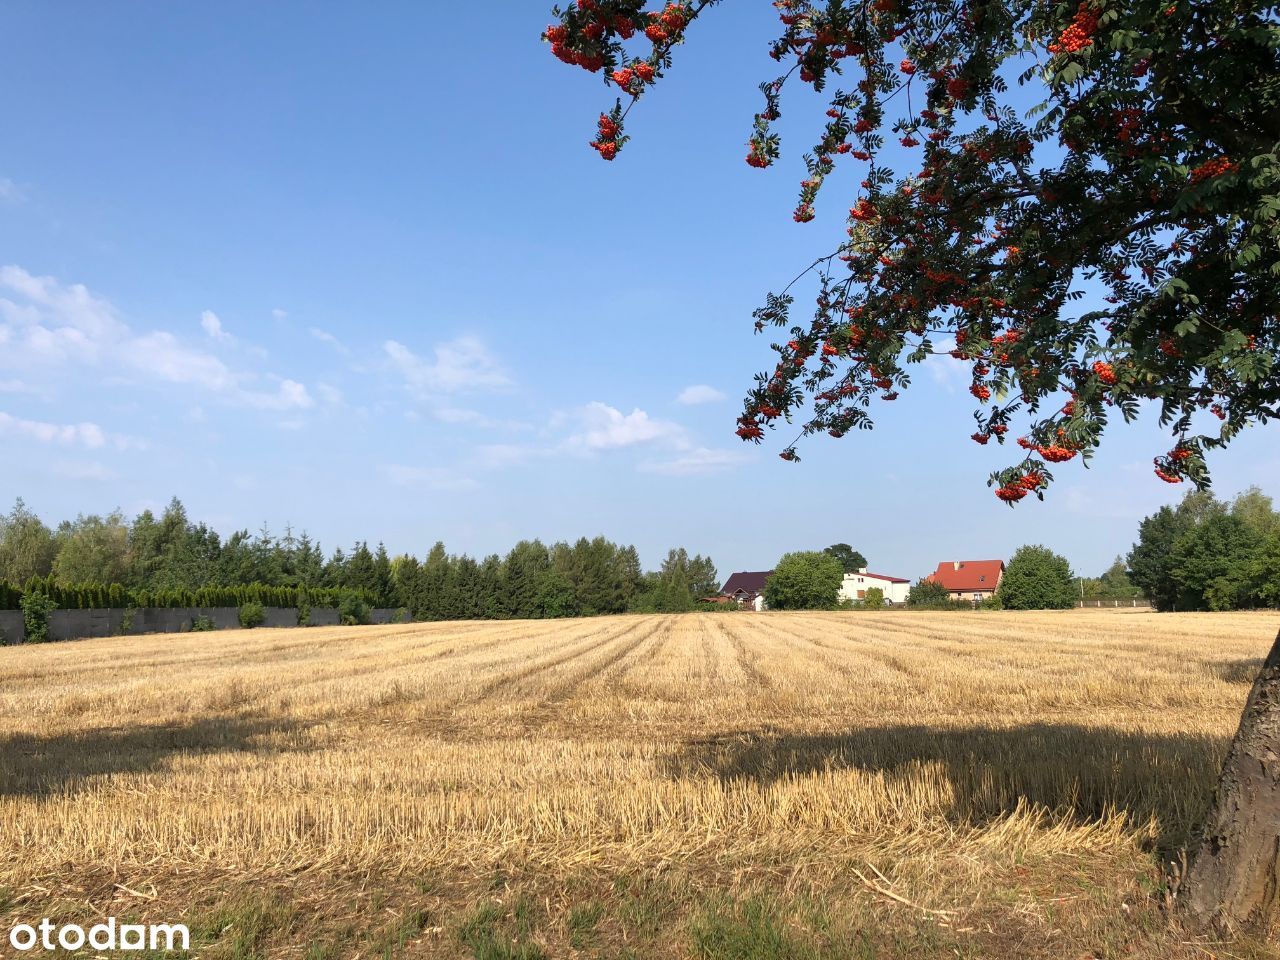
97 596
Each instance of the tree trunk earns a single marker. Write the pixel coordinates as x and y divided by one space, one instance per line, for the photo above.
1234 878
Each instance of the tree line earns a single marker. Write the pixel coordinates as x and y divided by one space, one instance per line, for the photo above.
1206 554
1203 554
170 560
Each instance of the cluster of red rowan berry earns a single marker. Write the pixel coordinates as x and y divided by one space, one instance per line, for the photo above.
588 37
606 142
558 34
633 78
1015 490
994 430
1213 168
749 428
1079 34
1169 467
1058 451
587 48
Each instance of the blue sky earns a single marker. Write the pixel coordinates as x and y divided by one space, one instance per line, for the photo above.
352 267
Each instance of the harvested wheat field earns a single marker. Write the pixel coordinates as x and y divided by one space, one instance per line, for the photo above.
714 785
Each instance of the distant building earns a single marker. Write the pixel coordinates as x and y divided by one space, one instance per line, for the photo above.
855 586
747 588
969 579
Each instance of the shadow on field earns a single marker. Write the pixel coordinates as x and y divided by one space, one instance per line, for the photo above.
1237 671
66 763
1075 771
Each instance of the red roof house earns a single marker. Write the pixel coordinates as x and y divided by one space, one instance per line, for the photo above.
969 579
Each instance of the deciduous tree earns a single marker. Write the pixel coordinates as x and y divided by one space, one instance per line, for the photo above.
92 549
850 559
27 547
928 593
1118 243
807 580
1037 579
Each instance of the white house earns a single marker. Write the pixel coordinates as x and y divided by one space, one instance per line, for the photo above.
856 585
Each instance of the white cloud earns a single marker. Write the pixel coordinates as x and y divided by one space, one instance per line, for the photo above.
461 365
460 415
290 395
603 427
437 478
164 356
700 460
55 323
324 336
10 192
88 435
329 395
699 393
49 324
13 386
951 374
82 470
279 314
498 455
213 326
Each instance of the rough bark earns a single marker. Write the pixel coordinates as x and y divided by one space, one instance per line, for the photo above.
1233 880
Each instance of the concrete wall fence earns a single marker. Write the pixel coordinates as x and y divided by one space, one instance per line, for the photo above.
1143 604
83 624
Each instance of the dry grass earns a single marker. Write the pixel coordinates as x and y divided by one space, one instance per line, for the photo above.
711 785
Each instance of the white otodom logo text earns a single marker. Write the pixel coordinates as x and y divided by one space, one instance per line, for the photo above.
108 935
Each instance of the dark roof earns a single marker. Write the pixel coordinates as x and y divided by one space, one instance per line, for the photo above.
879 576
747 582
969 574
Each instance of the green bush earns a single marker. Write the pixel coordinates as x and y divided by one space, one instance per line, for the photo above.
98 596
352 609
204 624
720 607
303 602
804 581
663 598
1037 579
556 596
252 614
928 593
36 607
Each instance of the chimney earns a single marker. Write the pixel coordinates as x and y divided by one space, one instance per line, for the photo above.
862 569
955 564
